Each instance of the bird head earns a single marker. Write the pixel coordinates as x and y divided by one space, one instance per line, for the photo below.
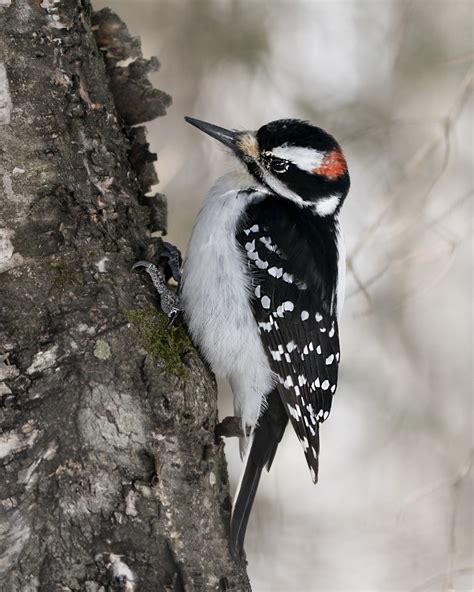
292 158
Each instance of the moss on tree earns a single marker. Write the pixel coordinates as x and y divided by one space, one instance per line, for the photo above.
166 346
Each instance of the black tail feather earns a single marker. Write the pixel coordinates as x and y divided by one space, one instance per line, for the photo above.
263 446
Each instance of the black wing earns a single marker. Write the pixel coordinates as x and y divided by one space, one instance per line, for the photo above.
292 257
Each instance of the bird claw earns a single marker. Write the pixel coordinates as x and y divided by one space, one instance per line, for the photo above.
169 301
138 264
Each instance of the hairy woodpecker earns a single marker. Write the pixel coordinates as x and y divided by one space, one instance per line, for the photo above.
263 284
262 287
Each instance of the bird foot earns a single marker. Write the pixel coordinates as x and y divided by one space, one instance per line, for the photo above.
169 300
230 427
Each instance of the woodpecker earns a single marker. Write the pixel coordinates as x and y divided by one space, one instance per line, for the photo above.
262 288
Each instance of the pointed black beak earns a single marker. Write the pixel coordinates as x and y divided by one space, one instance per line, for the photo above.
225 136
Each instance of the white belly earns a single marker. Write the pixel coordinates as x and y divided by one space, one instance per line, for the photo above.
214 295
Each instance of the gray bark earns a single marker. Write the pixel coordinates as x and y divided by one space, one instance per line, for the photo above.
111 478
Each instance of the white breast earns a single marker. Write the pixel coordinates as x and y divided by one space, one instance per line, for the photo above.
214 295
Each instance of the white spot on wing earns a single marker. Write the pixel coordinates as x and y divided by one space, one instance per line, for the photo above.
276 355
304 443
276 272
266 326
250 246
293 412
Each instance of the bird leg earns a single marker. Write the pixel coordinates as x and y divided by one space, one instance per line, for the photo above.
169 300
230 427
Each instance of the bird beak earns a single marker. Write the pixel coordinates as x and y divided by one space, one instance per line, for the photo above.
225 136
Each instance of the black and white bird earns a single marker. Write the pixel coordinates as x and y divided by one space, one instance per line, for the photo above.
263 285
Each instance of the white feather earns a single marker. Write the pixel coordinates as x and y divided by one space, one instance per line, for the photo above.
281 189
323 206
327 205
215 292
305 159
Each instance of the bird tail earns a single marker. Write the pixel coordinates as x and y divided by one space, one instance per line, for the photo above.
260 452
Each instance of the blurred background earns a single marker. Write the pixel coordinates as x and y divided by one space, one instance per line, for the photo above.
392 80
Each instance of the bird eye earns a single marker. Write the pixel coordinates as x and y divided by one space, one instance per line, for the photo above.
279 165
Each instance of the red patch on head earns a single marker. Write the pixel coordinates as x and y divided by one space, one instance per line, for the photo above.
333 166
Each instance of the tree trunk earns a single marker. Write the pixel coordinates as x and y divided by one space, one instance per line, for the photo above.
111 476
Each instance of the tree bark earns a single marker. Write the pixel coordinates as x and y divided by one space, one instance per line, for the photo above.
111 478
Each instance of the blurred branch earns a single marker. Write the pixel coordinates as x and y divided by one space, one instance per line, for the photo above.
455 486
433 582
361 286
418 291
435 222
411 168
443 484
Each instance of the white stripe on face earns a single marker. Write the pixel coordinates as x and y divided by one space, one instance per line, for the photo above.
280 188
328 205
324 206
305 159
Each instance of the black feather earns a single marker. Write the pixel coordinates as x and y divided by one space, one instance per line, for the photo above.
266 437
306 184
292 258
